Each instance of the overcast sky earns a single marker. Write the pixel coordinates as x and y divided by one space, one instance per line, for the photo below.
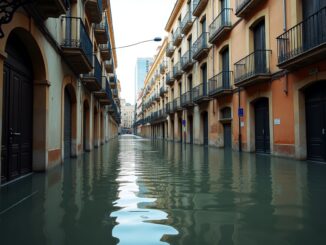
134 21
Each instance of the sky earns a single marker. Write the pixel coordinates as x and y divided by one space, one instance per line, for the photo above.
135 21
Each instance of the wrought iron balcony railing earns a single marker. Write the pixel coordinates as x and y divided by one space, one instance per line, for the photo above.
76 44
243 7
177 37
169 49
200 47
253 68
186 99
177 71
220 83
93 79
186 23
198 7
186 61
200 93
221 24
94 9
303 43
169 79
101 32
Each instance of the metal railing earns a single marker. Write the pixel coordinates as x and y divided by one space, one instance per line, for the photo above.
256 63
240 4
177 35
186 59
163 67
220 82
169 49
221 21
76 36
103 25
176 104
186 98
169 107
108 90
200 44
177 71
169 78
199 92
187 19
96 72
306 35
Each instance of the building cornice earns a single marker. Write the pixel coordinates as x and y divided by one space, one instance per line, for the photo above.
111 30
174 15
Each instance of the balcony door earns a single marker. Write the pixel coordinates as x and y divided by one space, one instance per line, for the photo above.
313 28
204 78
315 97
224 12
259 48
225 69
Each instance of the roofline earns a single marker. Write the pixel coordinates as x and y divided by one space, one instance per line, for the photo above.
174 15
109 16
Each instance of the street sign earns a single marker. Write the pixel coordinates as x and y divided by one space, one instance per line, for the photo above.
240 112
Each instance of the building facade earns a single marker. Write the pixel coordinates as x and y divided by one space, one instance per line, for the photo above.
58 89
246 74
127 115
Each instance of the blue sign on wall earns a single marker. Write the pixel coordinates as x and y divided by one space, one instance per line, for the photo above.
184 123
240 112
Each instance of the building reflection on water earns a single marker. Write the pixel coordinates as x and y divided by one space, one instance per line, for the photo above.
153 192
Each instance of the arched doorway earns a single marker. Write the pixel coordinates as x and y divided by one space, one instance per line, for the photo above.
315 97
262 132
86 127
17 124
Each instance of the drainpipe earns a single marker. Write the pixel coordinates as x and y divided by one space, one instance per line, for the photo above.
285 89
240 137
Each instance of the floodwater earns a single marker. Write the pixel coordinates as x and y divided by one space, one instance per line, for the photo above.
140 192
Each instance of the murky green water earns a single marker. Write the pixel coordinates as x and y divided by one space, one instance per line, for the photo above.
139 192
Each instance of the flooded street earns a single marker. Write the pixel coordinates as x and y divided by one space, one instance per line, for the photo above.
135 191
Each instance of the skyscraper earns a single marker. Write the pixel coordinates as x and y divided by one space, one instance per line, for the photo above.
142 67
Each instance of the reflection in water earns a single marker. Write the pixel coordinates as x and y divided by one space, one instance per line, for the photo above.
134 226
135 191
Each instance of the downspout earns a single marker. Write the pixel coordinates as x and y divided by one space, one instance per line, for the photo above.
285 89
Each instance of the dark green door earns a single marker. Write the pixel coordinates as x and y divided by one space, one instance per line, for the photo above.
67 125
262 135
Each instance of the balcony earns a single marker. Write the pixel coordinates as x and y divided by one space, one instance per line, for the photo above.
177 71
101 94
200 47
113 80
105 51
169 108
253 68
169 79
187 100
76 45
186 61
304 43
107 98
177 104
186 23
200 93
51 8
169 50
115 93
101 32
109 66
163 91
198 7
157 97
244 7
93 79
177 37
163 67
220 84
94 9
221 26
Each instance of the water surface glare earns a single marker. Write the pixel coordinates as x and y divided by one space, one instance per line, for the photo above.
140 192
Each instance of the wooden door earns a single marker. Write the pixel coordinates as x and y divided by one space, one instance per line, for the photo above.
67 125
316 122
259 48
17 129
262 134
227 136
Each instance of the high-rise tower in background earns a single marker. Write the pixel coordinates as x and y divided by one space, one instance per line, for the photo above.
142 67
